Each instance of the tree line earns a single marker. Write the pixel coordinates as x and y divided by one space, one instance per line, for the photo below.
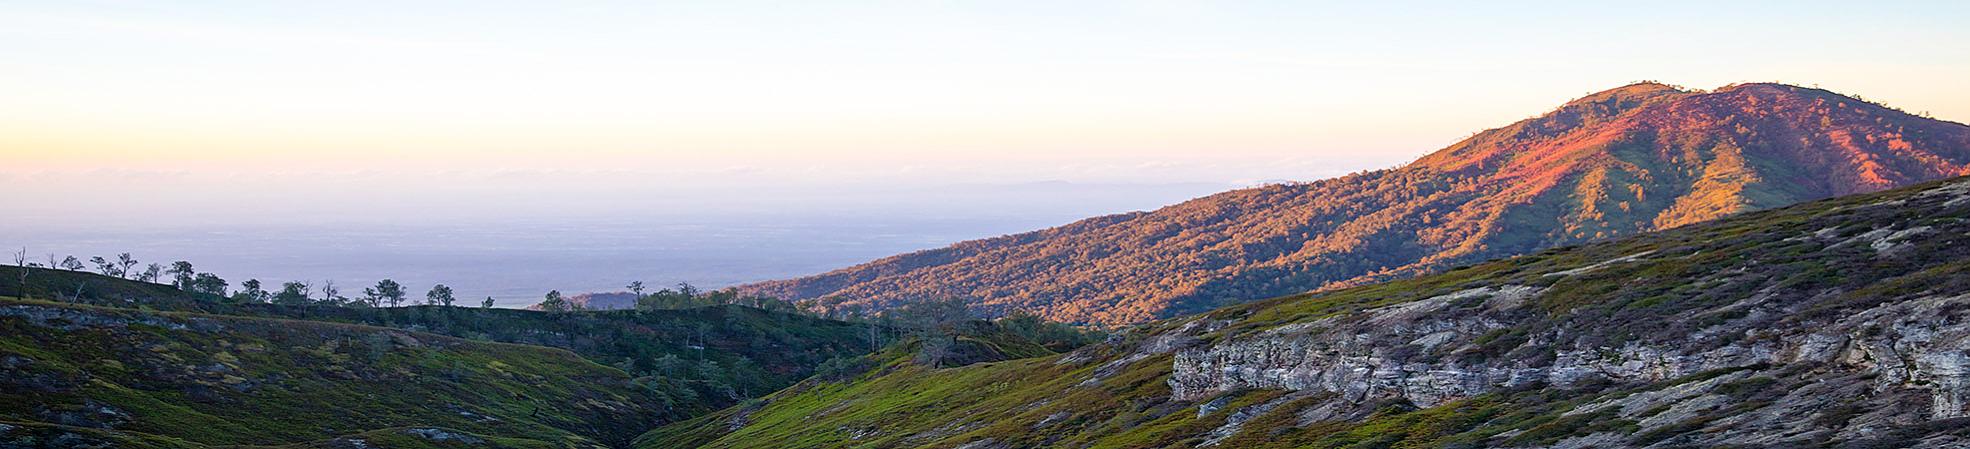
182 275
934 323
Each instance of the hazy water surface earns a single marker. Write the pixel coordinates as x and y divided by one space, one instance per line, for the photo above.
517 259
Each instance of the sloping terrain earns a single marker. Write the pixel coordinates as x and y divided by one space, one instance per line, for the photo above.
1637 158
86 376
695 360
1837 323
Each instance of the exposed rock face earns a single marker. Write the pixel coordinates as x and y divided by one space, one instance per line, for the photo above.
445 435
1837 324
1897 338
1921 344
1356 360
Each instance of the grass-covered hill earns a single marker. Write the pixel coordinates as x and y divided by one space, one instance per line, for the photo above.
89 376
1837 323
1632 159
695 359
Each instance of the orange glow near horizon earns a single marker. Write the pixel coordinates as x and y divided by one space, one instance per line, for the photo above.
984 88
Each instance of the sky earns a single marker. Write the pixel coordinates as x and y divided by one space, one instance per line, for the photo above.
160 114
1005 91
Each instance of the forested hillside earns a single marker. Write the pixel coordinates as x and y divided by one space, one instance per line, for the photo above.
1838 323
679 362
1637 158
86 376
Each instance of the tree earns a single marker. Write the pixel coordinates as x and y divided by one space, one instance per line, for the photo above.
330 294
208 283
439 295
182 274
933 313
487 304
385 291
634 287
250 292
151 273
933 348
854 312
20 260
843 368
934 323
874 332
1038 330
293 293
104 266
555 303
685 289
123 264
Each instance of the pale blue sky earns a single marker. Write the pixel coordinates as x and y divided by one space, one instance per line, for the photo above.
110 95
506 148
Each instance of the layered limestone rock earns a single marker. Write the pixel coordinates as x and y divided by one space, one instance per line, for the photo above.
1921 344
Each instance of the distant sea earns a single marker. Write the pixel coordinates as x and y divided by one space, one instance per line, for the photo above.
517 260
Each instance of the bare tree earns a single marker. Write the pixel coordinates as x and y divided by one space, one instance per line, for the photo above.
20 260
78 292
330 293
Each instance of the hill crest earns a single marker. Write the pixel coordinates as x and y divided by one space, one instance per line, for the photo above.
1837 323
1635 158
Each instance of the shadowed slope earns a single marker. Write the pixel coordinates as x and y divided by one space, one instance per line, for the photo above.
692 360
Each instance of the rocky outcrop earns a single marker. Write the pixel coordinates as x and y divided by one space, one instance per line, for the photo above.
1922 344
1364 356
1837 324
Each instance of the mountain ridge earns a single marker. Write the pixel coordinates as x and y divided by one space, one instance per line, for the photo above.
1640 157
1840 323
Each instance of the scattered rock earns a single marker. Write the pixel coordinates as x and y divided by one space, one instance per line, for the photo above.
437 434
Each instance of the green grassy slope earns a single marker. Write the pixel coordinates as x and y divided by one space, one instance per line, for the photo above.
166 379
1828 324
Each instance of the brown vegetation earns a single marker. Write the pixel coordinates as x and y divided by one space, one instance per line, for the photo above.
1637 158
